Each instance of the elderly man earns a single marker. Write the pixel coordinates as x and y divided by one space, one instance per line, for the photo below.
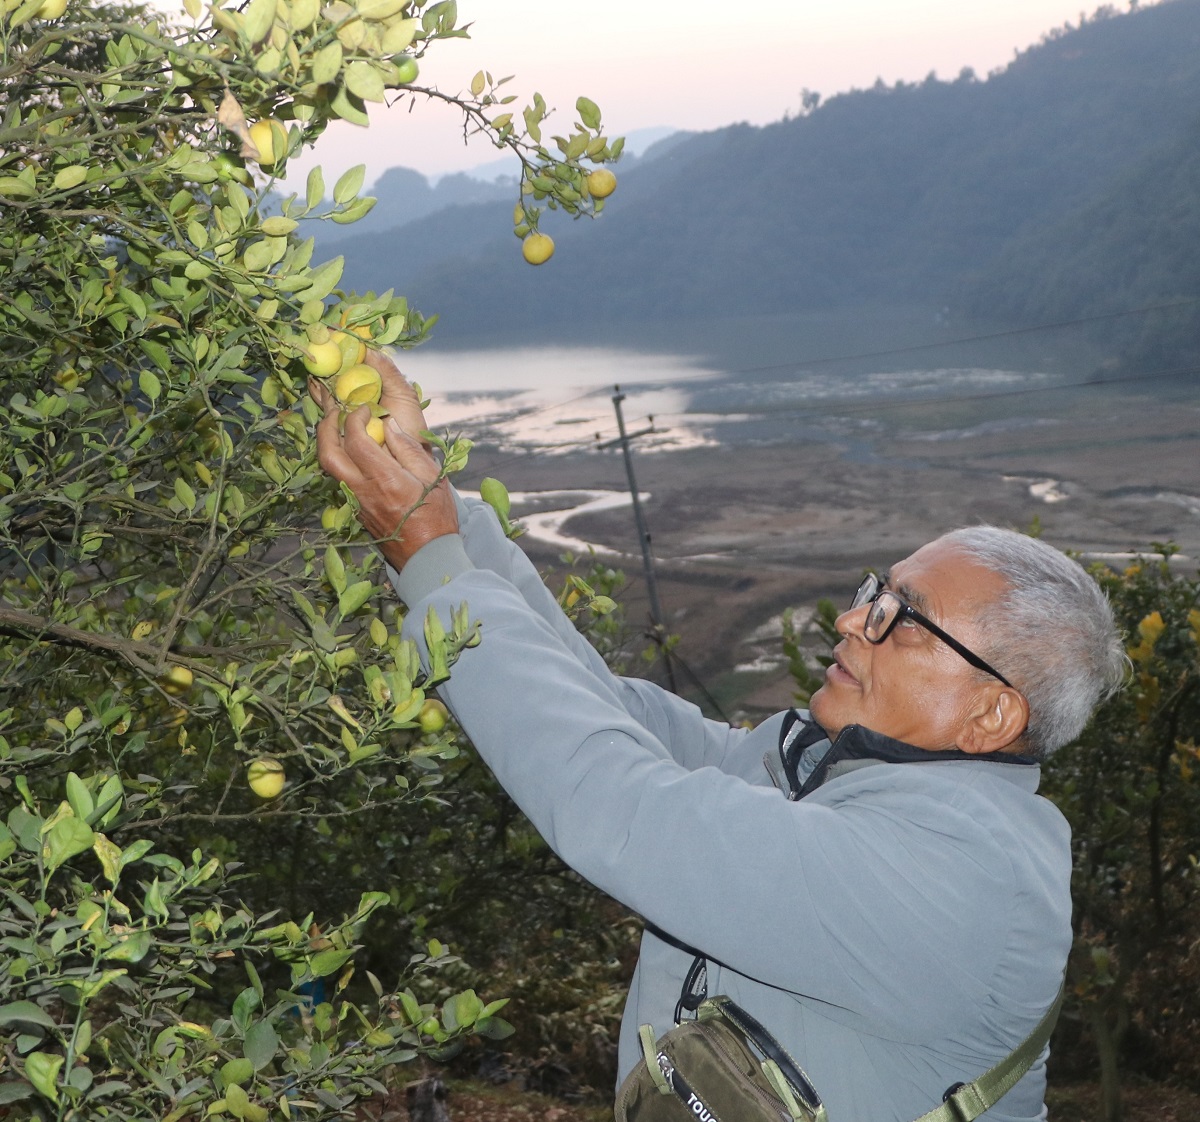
876 881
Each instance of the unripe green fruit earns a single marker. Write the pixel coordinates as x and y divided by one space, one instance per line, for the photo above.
433 715
407 69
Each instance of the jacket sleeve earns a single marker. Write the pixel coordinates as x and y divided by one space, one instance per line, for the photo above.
678 725
813 898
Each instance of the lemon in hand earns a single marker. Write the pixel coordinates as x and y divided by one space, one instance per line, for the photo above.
359 385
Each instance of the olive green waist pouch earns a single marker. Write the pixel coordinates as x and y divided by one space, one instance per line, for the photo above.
721 1067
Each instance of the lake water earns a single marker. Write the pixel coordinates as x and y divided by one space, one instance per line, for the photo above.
559 399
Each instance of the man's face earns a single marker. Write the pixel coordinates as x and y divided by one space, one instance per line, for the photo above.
912 687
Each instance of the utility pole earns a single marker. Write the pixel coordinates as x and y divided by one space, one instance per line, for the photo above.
656 616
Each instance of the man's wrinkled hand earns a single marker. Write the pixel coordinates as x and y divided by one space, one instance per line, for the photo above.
402 501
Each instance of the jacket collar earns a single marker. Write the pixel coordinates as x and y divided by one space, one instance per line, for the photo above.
804 770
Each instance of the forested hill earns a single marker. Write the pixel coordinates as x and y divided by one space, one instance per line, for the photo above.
1063 186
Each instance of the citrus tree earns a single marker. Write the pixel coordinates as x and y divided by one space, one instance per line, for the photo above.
193 644
1130 788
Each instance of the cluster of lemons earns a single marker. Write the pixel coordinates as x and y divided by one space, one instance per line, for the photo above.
538 248
338 358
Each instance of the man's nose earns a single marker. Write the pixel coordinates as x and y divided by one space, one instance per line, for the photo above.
852 621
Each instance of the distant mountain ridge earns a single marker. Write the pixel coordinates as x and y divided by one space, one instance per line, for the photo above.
1064 185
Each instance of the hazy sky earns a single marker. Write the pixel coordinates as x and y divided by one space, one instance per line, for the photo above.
696 64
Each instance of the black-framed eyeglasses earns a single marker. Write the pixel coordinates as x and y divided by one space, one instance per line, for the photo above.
888 608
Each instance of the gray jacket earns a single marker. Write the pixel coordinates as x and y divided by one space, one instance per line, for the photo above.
899 928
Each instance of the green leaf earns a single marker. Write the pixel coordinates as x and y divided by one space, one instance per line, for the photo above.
261 1044
315 188
14 1092
327 63
304 13
131 948
16 188
356 210
70 177
494 1028
185 494
236 1072
237 1100
411 1009
323 279
349 184
259 16
330 961
26 827
26 1013
149 384
355 596
380 9
364 81
78 795
589 112
244 1004
42 1070
278 227
67 838
348 107
158 354
109 854
467 1007
335 570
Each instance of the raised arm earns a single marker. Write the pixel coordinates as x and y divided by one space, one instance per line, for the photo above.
448 533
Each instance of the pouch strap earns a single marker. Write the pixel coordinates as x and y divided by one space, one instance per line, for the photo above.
650 1053
754 1030
966 1101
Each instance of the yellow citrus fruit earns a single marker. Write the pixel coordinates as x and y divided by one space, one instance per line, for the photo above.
270 138
432 717
266 777
601 183
537 248
360 385
375 430
51 9
322 360
354 350
177 680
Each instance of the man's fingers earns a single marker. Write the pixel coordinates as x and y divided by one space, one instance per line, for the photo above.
412 455
401 449
331 455
399 398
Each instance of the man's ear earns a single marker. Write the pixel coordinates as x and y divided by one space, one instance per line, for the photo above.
996 723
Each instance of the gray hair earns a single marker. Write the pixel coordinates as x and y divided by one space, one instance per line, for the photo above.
1052 633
